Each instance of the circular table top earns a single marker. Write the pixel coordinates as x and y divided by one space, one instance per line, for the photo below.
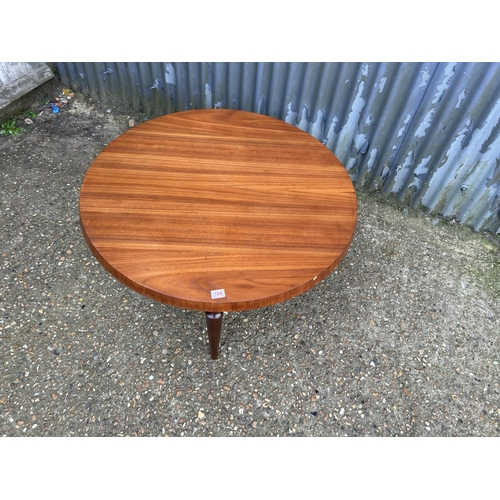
218 210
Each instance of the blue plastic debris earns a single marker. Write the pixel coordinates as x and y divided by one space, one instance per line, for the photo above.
55 109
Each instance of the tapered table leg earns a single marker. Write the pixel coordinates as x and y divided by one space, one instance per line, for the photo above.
214 327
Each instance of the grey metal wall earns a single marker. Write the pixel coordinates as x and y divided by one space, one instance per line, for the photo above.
427 134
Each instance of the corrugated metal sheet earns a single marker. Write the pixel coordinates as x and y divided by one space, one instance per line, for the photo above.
427 134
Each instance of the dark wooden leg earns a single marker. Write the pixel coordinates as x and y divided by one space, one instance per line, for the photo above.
214 326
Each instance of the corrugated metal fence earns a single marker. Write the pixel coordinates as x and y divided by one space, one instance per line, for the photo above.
427 134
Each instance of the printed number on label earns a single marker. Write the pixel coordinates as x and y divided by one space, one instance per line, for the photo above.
218 294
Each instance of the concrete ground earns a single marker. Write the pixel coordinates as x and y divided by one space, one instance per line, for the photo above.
401 340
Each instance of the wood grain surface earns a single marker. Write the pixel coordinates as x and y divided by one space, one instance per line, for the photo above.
218 199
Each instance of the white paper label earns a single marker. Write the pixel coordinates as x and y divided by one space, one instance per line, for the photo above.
218 294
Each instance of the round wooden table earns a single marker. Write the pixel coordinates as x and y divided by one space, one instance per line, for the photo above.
218 210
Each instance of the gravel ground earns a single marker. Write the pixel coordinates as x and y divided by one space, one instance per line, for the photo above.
401 340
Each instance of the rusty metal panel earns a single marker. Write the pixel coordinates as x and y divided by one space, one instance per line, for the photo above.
426 134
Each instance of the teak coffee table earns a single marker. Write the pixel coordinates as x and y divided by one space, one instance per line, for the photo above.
218 210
